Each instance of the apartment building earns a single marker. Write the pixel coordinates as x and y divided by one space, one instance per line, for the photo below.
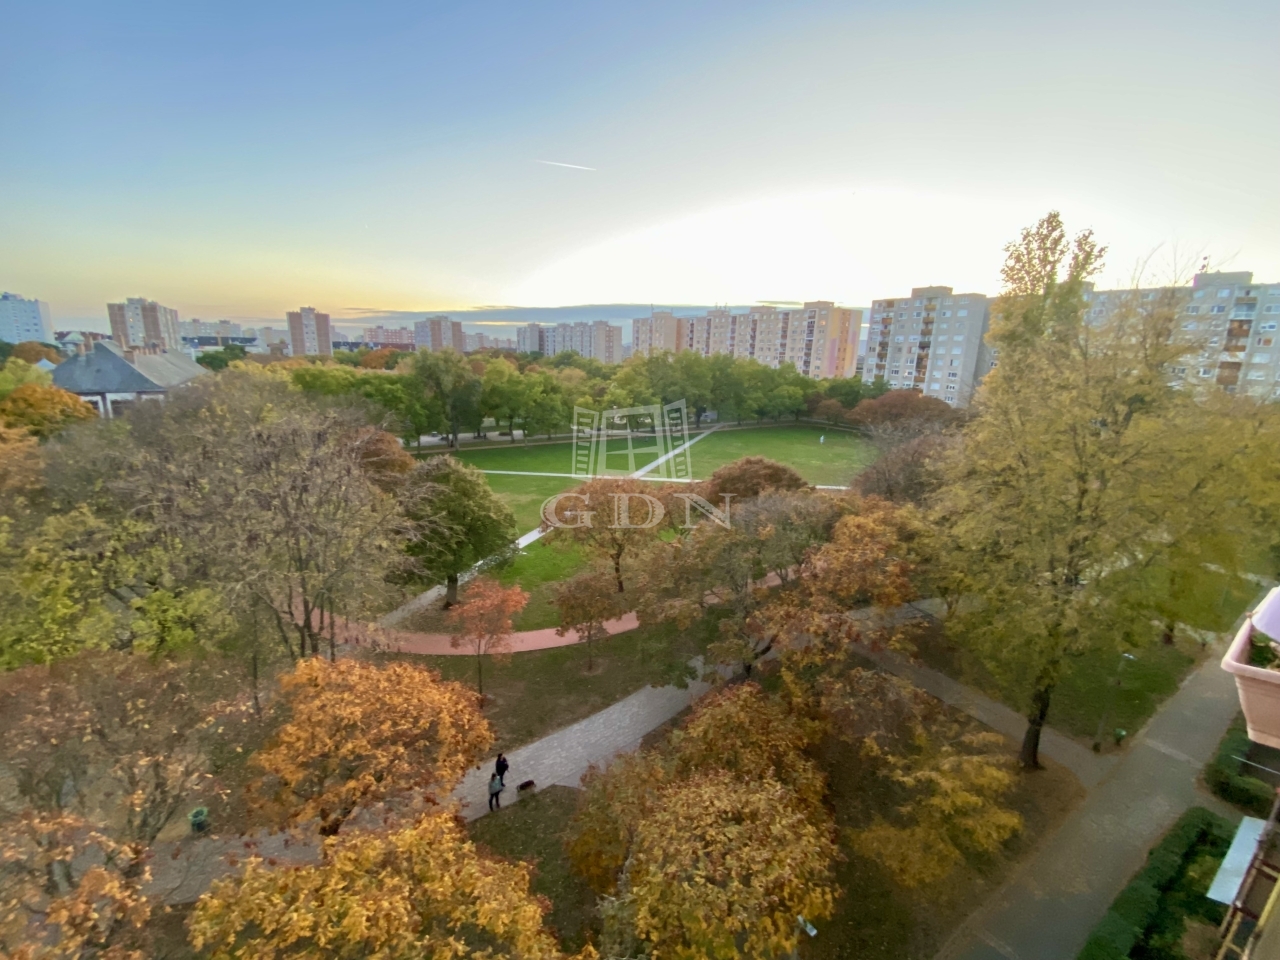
439 333
931 341
389 336
309 333
597 339
191 329
818 337
144 323
661 331
22 319
482 341
1231 322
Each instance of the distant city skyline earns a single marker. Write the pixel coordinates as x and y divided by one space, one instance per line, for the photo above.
688 153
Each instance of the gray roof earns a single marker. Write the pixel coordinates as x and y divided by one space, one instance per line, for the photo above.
106 370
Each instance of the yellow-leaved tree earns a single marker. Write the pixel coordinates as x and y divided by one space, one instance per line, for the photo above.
401 894
358 733
724 866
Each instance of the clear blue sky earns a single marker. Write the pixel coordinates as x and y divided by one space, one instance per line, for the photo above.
240 159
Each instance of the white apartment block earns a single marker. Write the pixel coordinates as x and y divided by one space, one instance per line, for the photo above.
819 338
22 319
598 339
931 341
439 333
1232 323
144 323
190 329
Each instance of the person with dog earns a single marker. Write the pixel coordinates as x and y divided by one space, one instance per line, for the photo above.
501 768
495 792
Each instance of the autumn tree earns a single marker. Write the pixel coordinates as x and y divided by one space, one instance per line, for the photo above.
421 890
32 351
69 891
15 372
904 413
461 522
1082 473
42 410
953 786
356 733
723 867
750 477
484 621
612 518
905 472
586 602
20 463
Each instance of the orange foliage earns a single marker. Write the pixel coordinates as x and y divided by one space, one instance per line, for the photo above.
43 410
484 621
32 351
421 891
750 477
20 461
358 733
378 359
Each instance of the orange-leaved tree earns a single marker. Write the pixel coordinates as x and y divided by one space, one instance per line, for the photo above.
586 603
484 621
70 892
420 891
357 733
723 867
614 518
43 410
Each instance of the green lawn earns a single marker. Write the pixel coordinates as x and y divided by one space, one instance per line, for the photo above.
533 694
524 495
832 462
539 458
538 568
533 831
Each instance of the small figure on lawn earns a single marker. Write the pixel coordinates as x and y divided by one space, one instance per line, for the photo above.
495 792
822 439
501 768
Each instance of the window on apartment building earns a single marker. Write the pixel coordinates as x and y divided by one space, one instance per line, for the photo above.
898 339
1097 311
951 363
894 373
913 339
947 302
962 313
1180 371
964 300
957 349
953 376
946 313
1262 342
1271 308
1267 326
919 303
1205 371
1217 308
918 313
1224 292
951 386
1193 310
902 316
1191 326
1261 358
1198 294
1148 296
1257 374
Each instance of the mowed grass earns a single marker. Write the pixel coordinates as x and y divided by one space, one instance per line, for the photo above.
538 458
538 569
525 495
533 694
830 463
533 830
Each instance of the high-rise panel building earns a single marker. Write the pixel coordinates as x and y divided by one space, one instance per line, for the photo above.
597 339
1230 323
530 338
389 336
309 333
144 323
932 341
189 329
818 338
439 333
22 319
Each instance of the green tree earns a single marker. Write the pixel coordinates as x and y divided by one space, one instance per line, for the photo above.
447 378
465 522
1083 473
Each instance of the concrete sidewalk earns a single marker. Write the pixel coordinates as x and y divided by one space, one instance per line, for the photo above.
1048 908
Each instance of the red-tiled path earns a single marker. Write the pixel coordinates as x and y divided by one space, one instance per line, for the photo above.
436 644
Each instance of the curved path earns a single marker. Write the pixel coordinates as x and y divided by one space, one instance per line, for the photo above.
441 644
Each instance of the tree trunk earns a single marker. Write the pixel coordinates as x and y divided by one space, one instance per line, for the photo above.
480 675
1029 757
617 571
257 704
450 590
333 638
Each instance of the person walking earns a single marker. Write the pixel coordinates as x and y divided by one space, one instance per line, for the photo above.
495 792
501 768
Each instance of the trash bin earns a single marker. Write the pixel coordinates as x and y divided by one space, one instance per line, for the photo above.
199 819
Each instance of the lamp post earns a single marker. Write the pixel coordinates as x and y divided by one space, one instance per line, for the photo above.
1111 701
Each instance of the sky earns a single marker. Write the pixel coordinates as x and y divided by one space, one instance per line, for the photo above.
240 159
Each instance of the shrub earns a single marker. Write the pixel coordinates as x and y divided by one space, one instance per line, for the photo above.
1133 911
1226 778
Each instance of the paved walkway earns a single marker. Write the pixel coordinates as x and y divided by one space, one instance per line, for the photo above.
1047 909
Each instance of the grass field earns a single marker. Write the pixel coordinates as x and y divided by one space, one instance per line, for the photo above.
533 694
533 831
524 495
832 462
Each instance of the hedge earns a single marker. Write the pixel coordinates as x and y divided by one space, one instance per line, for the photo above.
1226 777
1133 910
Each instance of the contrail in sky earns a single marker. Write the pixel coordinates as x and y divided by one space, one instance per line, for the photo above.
571 166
